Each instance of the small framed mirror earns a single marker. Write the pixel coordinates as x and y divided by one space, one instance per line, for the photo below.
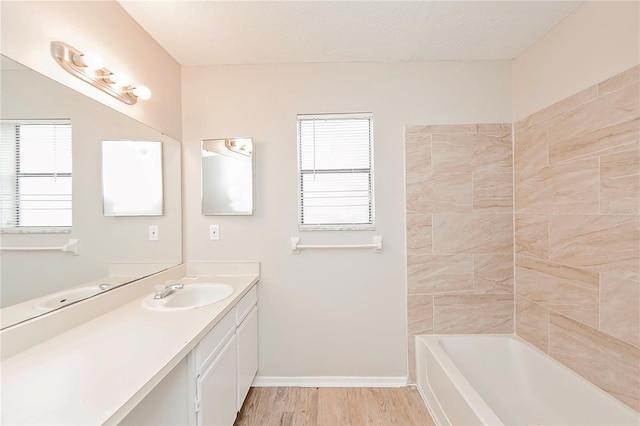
132 178
227 176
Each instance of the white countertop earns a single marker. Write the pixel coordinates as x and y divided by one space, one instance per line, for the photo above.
97 372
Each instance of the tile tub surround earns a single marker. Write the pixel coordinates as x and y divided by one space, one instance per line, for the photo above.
575 228
459 215
577 233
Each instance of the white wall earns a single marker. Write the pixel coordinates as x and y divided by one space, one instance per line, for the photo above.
103 27
329 313
597 41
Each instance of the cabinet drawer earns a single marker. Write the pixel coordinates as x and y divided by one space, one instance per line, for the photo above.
246 303
214 340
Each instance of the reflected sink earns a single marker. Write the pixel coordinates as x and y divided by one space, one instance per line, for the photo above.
66 297
191 296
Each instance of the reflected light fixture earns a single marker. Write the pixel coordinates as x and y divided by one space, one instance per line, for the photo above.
89 67
240 145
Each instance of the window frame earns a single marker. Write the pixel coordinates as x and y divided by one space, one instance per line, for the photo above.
18 175
370 170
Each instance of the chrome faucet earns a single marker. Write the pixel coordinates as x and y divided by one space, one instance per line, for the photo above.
164 291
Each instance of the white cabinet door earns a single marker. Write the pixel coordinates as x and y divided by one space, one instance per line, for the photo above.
247 334
217 389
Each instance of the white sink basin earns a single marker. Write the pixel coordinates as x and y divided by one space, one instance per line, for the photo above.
189 297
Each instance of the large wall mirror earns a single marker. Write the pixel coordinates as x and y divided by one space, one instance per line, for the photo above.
101 252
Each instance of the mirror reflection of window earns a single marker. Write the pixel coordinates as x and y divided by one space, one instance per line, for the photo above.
132 178
227 176
36 181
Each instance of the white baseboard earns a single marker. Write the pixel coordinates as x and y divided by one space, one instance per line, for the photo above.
330 382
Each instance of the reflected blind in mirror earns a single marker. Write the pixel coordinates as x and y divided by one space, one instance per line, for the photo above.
35 183
335 159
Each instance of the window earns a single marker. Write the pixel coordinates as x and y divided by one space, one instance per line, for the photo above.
35 182
335 157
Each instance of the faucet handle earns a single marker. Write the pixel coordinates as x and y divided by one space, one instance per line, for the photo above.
159 290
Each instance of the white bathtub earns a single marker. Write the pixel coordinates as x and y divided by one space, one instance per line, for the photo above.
503 380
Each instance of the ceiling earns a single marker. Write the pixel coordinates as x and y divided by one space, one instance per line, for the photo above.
258 32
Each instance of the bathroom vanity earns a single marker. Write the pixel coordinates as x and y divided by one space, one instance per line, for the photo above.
136 365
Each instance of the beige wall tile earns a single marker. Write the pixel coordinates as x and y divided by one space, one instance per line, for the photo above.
493 273
564 188
420 314
532 323
609 140
532 235
473 313
605 125
530 148
415 199
620 183
493 192
618 81
605 361
417 134
601 243
439 193
418 234
570 291
472 233
474 152
418 158
564 105
440 274
620 308
494 128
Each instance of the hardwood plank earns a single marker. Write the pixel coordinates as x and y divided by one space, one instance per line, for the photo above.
365 403
265 406
393 405
289 406
249 407
419 412
284 406
306 412
332 407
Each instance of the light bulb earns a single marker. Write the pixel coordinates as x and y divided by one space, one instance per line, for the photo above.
118 78
142 92
89 60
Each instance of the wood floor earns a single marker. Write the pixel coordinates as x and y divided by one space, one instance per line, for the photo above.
333 407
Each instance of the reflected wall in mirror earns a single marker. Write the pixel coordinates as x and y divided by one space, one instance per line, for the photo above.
227 176
132 178
111 250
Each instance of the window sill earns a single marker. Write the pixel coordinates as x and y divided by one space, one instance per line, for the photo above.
336 227
37 230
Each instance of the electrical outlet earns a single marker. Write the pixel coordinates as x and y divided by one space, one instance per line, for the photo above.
214 232
153 233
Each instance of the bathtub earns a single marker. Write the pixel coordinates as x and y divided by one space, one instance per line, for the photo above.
503 380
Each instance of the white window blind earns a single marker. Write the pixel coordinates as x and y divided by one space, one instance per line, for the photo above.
335 155
35 182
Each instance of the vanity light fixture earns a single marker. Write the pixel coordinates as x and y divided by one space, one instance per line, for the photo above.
88 67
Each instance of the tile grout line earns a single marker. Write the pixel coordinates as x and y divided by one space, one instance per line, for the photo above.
431 174
600 213
513 223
